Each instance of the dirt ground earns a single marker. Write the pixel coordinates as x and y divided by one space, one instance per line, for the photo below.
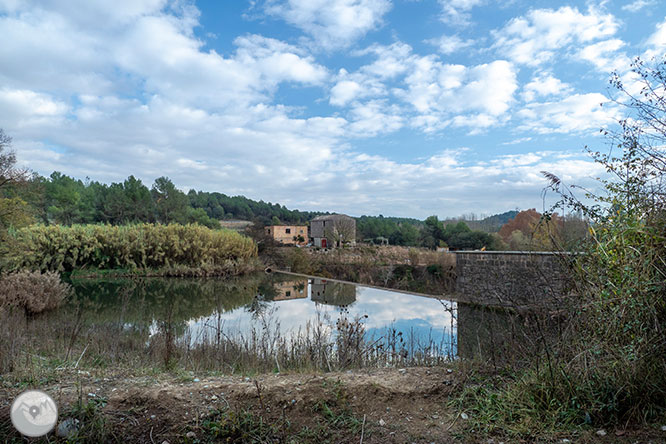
370 406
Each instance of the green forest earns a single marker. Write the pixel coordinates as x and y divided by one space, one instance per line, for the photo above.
63 200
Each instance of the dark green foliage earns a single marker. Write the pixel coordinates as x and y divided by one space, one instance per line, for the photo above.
457 236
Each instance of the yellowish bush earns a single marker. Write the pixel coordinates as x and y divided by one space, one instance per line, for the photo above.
141 246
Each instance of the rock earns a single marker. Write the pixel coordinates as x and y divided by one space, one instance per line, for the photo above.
601 432
382 422
464 415
402 371
191 435
67 428
213 398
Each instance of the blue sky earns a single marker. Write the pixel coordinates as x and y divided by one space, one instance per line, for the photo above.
398 107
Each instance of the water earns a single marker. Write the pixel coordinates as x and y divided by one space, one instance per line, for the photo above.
283 305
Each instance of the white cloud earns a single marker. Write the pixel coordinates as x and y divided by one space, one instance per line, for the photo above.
333 24
637 5
517 141
604 55
392 60
449 44
374 117
20 108
544 85
139 93
344 92
572 114
657 41
535 38
451 89
278 61
457 12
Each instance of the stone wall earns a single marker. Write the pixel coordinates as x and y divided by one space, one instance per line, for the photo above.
510 277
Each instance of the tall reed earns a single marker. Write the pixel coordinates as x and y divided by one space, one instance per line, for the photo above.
142 246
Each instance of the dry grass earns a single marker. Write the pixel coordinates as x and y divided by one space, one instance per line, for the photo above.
33 291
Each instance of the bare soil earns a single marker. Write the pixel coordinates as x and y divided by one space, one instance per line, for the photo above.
369 406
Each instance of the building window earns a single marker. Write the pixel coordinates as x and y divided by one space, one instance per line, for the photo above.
287 230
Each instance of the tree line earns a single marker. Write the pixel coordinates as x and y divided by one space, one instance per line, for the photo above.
60 199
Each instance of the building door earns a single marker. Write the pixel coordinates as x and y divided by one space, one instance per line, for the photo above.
323 243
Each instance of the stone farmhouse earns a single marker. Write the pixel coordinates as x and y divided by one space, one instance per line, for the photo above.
332 230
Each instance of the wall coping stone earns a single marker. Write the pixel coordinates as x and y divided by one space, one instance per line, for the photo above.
533 253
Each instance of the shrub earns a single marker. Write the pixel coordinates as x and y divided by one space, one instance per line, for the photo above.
141 246
33 291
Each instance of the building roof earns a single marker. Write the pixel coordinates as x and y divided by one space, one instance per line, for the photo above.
331 217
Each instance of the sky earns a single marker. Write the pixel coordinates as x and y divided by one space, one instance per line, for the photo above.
396 107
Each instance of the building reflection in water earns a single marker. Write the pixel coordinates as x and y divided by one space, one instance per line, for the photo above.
288 290
332 293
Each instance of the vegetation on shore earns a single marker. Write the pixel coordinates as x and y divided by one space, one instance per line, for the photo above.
607 364
133 247
32 291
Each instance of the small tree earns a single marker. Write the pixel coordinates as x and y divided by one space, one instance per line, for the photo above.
343 230
616 342
13 210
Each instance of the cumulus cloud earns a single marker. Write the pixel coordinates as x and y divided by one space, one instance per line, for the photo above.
374 117
572 114
106 93
535 38
333 24
449 44
543 85
486 89
457 12
604 55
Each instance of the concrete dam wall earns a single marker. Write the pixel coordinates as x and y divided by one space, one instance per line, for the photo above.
510 277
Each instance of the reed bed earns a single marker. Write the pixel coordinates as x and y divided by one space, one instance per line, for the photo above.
131 247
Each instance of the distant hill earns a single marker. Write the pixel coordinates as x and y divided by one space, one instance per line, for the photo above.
490 224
